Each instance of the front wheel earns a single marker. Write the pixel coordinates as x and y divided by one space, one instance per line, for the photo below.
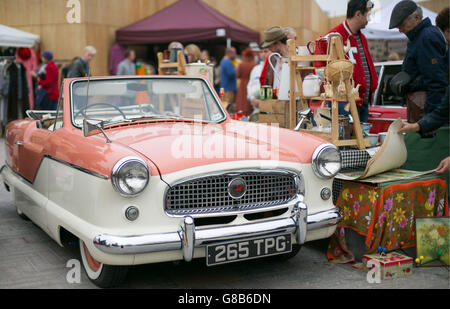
104 276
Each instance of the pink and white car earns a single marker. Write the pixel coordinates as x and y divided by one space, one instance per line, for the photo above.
152 169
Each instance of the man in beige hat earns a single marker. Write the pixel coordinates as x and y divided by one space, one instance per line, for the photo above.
275 39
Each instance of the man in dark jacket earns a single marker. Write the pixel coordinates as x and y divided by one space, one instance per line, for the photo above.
80 67
425 56
437 118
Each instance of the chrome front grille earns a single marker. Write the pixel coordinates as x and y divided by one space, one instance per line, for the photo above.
209 194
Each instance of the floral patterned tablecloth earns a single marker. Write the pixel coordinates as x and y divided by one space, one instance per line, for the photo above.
385 213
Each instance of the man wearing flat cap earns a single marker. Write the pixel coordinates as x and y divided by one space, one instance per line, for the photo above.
275 40
424 60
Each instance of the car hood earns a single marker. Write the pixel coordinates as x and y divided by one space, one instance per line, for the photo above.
173 146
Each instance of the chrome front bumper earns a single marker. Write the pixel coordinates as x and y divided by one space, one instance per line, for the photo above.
189 237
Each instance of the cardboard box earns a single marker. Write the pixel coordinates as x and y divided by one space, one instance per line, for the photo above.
275 111
391 265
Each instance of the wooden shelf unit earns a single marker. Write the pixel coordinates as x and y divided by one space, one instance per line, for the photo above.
336 53
180 65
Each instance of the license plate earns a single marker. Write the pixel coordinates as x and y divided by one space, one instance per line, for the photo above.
247 249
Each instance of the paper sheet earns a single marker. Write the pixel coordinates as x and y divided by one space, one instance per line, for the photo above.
396 175
391 155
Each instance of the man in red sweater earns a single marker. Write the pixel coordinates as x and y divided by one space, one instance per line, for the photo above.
364 72
50 83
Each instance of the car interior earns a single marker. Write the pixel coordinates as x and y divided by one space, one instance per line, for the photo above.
385 95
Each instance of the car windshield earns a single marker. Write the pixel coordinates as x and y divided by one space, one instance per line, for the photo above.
132 99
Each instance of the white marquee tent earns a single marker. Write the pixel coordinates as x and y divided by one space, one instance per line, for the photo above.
11 37
378 27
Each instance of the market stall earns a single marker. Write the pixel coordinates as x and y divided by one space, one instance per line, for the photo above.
383 210
338 78
376 197
378 26
383 41
15 81
11 37
185 21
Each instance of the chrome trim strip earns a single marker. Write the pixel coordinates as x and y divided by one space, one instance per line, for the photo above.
82 169
236 173
232 212
375 95
323 219
189 238
138 244
382 119
59 161
207 236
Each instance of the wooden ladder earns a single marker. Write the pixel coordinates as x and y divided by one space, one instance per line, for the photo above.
336 52
180 65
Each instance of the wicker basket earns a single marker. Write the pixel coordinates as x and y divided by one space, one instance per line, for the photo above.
339 70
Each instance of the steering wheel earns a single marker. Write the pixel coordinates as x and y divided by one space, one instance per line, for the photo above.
97 104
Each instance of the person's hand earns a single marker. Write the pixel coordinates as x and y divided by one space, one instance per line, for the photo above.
33 74
409 127
443 167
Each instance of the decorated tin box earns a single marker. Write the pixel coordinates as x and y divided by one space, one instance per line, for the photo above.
391 265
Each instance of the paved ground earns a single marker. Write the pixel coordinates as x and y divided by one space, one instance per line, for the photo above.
30 259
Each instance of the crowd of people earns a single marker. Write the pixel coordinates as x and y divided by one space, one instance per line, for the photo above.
43 77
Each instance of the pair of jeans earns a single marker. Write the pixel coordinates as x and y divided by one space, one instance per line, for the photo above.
363 112
49 105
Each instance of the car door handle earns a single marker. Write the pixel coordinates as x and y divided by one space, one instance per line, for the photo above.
18 143
375 114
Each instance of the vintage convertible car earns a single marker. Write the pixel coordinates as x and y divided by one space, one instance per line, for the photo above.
152 169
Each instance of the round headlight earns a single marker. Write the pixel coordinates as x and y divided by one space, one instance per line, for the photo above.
326 161
130 176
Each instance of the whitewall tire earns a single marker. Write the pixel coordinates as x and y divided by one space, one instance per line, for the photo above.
104 276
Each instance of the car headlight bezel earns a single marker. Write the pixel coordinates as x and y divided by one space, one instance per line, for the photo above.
119 175
317 162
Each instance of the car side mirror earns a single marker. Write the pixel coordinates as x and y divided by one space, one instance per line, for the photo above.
93 127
